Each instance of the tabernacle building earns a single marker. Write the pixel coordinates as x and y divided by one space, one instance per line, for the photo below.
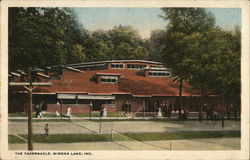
117 85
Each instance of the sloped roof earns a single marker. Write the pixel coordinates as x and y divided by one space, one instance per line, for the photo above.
129 83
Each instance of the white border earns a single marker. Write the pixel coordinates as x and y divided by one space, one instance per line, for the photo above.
241 154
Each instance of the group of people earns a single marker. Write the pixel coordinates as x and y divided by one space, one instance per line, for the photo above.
103 112
211 113
183 114
68 112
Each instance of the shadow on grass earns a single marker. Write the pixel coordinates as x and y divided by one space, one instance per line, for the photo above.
70 138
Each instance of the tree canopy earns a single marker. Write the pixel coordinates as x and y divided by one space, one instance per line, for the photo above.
40 37
200 52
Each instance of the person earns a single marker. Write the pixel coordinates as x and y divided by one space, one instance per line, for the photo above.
68 114
104 112
37 110
159 113
170 110
101 112
215 115
182 114
185 114
208 114
57 114
46 130
40 111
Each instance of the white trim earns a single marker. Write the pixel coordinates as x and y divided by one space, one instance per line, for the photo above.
99 97
66 96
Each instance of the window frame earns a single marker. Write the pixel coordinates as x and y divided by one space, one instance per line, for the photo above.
136 68
159 74
108 79
112 67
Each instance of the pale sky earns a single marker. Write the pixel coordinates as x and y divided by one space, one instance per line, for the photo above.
144 20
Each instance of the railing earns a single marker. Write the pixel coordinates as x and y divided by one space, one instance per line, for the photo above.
133 114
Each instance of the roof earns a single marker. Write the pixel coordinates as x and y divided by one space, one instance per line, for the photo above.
129 83
109 61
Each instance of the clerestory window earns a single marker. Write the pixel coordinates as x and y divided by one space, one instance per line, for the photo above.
136 66
117 66
159 74
109 79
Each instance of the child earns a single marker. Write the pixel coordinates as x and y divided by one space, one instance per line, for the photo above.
46 130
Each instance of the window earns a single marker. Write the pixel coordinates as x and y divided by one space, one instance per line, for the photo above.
109 79
117 66
159 74
136 66
157 66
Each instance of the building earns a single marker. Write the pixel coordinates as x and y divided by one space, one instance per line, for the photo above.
117 85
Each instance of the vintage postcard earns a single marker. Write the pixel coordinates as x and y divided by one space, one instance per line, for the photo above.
124 79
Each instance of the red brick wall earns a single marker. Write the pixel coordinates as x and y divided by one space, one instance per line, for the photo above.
110 107
136 103
75 108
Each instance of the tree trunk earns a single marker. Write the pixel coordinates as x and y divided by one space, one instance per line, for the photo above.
180 97
202 102
222 112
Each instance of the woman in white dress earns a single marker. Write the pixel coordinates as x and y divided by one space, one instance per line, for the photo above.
68 112
159 113
104 112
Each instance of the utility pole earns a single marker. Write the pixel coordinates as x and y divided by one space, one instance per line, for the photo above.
143 103
30 86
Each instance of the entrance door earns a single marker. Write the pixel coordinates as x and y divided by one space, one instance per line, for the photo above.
97 105
149 106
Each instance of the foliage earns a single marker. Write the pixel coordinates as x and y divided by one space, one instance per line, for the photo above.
216 62
185 24
122 42
188 20
200 52
40 37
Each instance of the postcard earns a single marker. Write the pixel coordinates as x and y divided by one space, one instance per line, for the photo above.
124 79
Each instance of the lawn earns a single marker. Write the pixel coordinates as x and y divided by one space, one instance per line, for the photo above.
15 139
22 114
70 138
96 114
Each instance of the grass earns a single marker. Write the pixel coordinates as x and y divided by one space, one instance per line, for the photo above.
15 139
17 114
115 114
183 135
70 138
21 114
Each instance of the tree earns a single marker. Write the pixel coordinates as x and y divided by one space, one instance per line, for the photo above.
185 24
78 54
122 42
154 44
127 43
40 37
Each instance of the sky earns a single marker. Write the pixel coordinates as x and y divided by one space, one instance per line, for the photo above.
144 20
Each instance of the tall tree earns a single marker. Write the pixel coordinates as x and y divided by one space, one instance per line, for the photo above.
184 24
